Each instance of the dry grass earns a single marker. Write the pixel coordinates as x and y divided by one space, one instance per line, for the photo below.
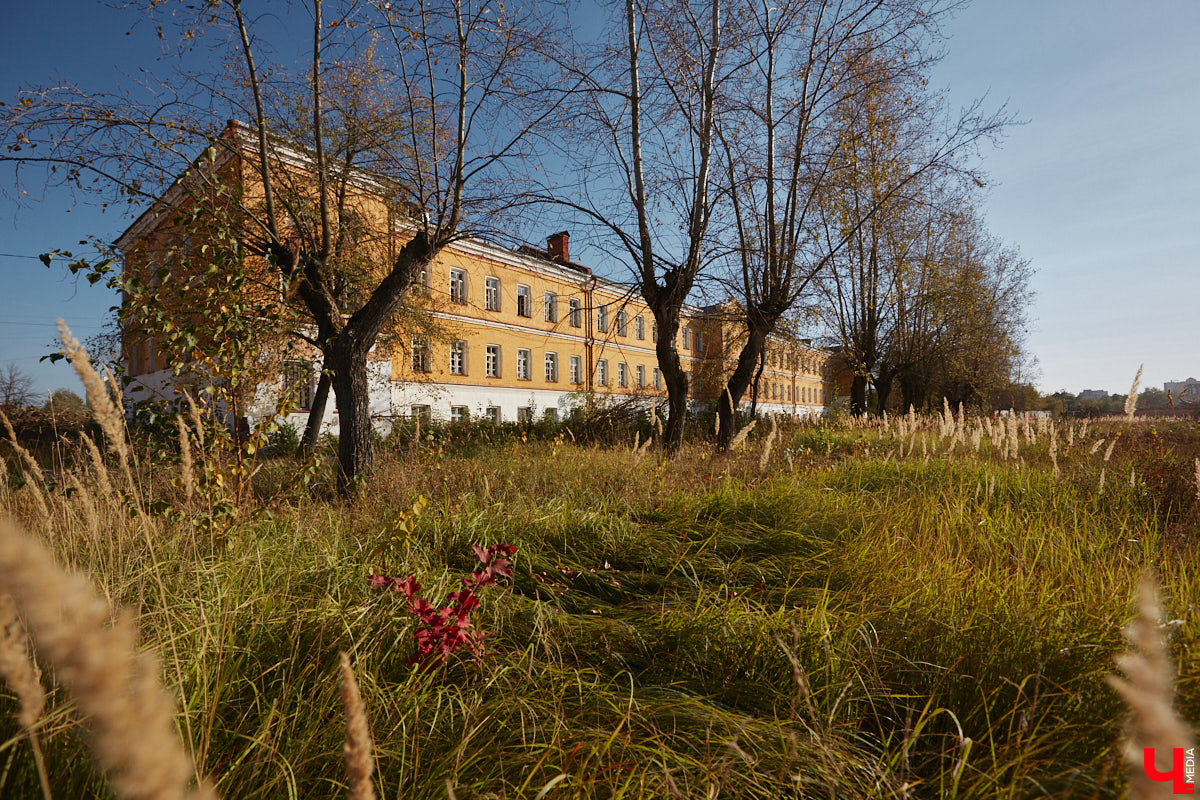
115 689
360 764
1149 692
103 398
949 613
1131 400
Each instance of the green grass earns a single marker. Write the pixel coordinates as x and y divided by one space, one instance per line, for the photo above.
848 623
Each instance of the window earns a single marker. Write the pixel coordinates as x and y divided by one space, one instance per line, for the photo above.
458 286
551 367
524 303
522 365
622 374
298 383
422 413
602 319
550 302
421 361
576 370
658 378
459 414
654 331
421 283
687 338
458 357
492 413
621 323
639 326
602 372
696 346
525 414
550 415
491 361
575 313
641 376
491 294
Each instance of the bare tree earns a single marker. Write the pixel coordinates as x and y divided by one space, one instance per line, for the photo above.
396 138
645 114
814 66
16 388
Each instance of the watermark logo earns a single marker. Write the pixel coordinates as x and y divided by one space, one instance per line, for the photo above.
1182 774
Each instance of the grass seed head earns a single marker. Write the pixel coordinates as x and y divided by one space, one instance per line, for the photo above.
1148 690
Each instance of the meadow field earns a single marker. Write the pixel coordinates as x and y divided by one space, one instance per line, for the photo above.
916 607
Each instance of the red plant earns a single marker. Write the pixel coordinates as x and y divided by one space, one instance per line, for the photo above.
443 631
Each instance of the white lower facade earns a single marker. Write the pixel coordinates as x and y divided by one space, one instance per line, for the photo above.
440 402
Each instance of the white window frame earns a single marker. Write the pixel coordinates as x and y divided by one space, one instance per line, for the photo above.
524 359
622 322
641 376
687 337
421 284
491 293
550 306
639 327
458 357
524 301
575 312
551 367
602 318
420 355
458 286
658 381
491 361
576 370
298 382
602 372
422 412
492 413
622 375
460 414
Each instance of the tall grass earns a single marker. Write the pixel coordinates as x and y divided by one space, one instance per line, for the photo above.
916 607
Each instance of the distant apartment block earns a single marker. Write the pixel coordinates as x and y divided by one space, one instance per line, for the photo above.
1185 392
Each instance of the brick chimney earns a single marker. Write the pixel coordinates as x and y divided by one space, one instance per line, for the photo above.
558 246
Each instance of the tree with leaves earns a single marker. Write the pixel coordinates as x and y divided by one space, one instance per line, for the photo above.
396 137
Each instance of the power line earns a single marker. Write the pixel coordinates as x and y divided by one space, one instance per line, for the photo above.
47 324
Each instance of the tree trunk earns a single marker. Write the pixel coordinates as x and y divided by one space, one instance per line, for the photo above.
676 381
316 415
858 395
756 384
744 374
883 388
356 439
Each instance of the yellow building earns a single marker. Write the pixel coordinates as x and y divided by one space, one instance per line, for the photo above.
516 334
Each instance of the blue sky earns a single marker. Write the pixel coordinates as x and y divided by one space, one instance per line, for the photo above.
1099 188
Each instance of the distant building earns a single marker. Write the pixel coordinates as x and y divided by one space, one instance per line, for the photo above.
1092 394
1187 391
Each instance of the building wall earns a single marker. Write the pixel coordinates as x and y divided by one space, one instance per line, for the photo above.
437 361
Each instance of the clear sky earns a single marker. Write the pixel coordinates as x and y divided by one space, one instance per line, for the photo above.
1100 188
